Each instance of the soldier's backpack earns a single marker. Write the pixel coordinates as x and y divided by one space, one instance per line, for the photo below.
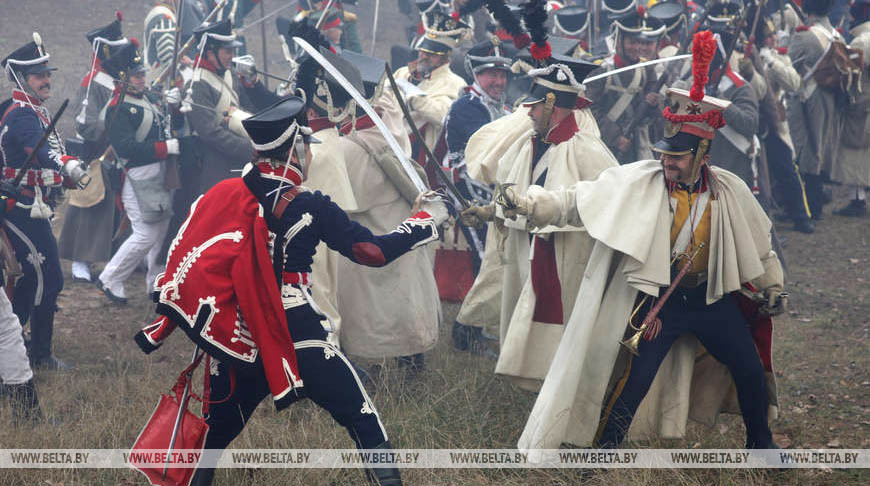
840 68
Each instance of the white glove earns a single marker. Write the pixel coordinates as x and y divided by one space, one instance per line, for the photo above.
782 38
437 209
173 96
246 67
766 55
172 147
75 170
186 105
433 204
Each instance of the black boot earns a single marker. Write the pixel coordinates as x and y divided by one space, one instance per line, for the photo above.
460 336
202 477
383 476
25 403
805 225
41 332
856 209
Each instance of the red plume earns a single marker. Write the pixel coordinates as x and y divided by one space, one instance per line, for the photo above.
118 15
641 10
134 41
540 52
703 50
455 15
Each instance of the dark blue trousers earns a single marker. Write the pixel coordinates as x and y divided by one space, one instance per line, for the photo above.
329 380
35 296
724 332
784 171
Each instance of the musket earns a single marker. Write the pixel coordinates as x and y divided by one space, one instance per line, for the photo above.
362 103
430 157
726 60
265 17
187 45
172 178
664 79
265 44
30 157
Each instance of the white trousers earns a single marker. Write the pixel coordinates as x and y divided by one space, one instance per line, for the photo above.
14 365
145 241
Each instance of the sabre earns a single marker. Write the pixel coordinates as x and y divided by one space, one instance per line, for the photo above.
636 66
182 405
323 15
375 26
39 144
361 101
430 157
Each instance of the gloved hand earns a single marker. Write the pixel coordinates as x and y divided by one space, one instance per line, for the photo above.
432 203
776 301
766 55
173 96
172 147
246 67
477 216
76 171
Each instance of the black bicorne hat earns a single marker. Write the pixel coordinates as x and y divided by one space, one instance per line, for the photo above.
372 70
31 58
216 34
124 61
571 20
671 13
274 127
562 76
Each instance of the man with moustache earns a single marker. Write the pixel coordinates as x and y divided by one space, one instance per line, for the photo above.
23 121
431 73
650 220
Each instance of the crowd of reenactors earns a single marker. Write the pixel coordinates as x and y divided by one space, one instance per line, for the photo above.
529 110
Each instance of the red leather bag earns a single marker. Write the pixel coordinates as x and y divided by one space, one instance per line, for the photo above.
454 270
191 434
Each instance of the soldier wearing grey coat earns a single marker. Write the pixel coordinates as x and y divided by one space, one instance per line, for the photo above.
735 146
814 112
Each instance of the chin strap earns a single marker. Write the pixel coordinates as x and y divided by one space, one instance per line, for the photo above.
542 126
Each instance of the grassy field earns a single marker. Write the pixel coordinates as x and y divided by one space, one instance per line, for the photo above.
820 354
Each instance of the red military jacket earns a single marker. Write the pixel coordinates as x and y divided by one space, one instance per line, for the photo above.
220 288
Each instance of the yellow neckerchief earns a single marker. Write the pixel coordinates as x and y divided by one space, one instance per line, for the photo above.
684 199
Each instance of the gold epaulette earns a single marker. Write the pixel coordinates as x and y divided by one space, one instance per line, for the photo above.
349 16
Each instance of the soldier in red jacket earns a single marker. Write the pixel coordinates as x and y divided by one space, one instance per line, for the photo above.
238 282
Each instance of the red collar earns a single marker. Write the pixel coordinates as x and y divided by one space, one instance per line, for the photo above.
19 95
619 62
203 63
362 123
563 131
292 174
319 124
